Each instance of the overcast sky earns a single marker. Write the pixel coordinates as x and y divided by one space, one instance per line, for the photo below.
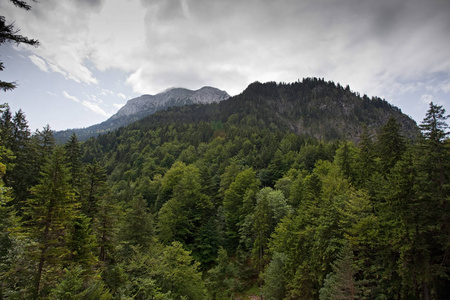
94 55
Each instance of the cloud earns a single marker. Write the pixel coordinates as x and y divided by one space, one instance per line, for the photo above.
379 48
445 87
95 108
120 95
118 105
426 98
61 30
88 104
68 96
39 62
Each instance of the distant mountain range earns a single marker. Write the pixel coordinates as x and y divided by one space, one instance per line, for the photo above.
140 107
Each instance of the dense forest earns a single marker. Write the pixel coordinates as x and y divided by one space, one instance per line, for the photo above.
227 201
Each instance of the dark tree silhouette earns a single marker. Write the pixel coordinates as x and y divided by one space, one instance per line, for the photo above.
8 33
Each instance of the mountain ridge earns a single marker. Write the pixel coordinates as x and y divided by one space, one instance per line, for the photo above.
139 107
313 107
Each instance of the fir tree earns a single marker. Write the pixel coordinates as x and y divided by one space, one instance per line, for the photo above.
49 217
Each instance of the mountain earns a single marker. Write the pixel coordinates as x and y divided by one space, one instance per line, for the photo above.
312 107
251 127
137 108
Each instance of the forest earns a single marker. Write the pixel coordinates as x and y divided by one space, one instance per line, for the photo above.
185 206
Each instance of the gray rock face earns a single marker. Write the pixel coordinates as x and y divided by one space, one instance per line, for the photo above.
171 97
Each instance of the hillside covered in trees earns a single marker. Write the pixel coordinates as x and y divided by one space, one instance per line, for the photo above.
289 191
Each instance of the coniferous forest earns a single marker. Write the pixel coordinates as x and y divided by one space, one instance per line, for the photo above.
228 201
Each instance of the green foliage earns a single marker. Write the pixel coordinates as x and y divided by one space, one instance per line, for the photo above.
73 287
274 278
341 283
137 228
164 273
48 219
391 145
243 187
223 279
148 211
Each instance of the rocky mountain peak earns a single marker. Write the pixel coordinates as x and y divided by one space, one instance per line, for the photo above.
171 97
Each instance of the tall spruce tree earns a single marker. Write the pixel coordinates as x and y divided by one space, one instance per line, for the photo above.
73 155
391 145
48 220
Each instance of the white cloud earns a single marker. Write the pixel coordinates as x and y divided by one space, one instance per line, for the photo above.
426 98
88 104
95 108
118 105
120 95
68 96
39 62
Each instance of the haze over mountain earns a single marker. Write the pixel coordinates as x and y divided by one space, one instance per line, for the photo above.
137 108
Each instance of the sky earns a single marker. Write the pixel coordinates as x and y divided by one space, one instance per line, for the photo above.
94 55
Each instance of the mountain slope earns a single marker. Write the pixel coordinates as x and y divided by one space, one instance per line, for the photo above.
313 107
137 108
250 127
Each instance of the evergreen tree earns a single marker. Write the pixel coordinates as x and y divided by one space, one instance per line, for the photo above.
244 186
223 279
73 156
73 286
49 217
274 287
341 283
83 245
137 228
365 159
106 226
391 145
94 188
345 158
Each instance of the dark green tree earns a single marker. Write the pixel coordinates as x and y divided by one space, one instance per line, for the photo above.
365 159
341 283
94 188
73 158
243 187
137 228
391 145
49 217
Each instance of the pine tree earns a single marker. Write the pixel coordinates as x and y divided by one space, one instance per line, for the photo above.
432 210
94 188
391 145
106 226
138 226
244 184
73 155
365 159
49 217
341 283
